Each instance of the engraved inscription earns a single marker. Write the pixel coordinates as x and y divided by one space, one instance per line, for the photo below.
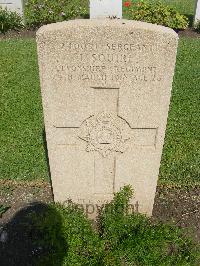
111 46
135 73
117 62
103 134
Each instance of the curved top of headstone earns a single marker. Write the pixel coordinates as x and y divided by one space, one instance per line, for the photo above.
59 26
106 87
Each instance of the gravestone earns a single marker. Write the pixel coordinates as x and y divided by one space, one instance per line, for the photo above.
106 88
197 13
12 5
105 8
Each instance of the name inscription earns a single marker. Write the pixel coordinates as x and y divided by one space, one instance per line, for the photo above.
110 61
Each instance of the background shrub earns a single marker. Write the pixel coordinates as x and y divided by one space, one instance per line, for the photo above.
9 20
41 12
155 12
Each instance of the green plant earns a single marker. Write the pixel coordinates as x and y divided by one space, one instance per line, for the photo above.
157 13
9 20
3 209
121 238
182 6
68 237
133 239
40 12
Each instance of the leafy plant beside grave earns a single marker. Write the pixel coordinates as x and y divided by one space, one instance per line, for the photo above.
155 12
121 239
9 20
41 12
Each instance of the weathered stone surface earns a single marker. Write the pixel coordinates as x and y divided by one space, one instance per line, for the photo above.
12 5
105 8
197 13
106 92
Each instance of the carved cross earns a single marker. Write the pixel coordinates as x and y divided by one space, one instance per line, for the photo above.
107 134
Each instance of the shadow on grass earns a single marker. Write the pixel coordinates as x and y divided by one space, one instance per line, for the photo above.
23 241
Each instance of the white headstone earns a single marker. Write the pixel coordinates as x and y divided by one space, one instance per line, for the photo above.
12 5
197 14
105 8
106 88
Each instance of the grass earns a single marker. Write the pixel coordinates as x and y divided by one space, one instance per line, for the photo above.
181 156
186 7
22 144
22 151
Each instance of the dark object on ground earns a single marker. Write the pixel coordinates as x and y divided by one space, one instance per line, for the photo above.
19 237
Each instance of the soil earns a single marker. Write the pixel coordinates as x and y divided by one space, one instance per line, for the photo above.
175 204
18 34
190 33
178 205
19 194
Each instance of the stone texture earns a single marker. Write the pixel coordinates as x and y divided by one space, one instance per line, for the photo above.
197 13
13 5
106 88
105 8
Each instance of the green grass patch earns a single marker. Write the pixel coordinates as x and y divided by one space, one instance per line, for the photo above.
22 130
186 7
22 150
181 156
